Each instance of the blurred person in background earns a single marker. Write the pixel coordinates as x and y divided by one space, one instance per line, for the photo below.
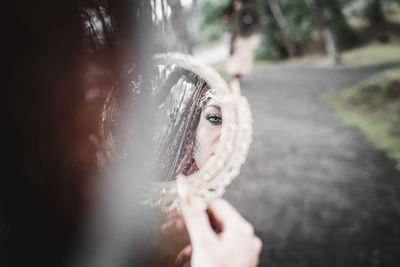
244 20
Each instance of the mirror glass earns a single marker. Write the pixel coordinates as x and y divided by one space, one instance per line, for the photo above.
184 114
188 122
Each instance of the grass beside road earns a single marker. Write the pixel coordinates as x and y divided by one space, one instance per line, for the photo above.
369 55
373 106
372 54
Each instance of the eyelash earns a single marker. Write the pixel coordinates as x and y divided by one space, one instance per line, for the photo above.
214 118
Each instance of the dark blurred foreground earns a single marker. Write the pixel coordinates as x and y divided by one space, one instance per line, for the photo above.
62 58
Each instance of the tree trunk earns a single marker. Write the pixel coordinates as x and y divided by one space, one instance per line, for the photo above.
179 24
346 37
335 9
374 13
284 26
327 33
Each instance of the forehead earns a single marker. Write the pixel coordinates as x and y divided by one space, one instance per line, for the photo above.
212 103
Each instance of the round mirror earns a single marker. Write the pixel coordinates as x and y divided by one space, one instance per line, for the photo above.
201 128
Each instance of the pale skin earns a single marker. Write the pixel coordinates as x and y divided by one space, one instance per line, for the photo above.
238 5
208 132
219 236
234 245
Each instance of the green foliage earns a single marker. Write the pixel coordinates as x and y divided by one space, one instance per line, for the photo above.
373 107
346 36
391 7
374 12
211 25
301 22
301 26
272 45
297 14
372 55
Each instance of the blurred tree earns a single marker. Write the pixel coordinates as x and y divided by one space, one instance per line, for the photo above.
211 25
284 26
327 33
374 13
291 27
345 35
300 23
272 45
178 23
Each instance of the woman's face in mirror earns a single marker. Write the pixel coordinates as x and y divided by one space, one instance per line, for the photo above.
208 132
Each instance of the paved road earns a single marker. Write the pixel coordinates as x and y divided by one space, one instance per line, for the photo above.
318 192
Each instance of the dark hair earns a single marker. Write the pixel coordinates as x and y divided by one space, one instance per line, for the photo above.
177 149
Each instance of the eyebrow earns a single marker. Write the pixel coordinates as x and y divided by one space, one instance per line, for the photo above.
214 106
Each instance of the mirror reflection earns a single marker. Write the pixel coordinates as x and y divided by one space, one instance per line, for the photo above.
188 122
185 117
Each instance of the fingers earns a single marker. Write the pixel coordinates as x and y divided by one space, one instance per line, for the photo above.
225 214
184 255
172 215
173 224
258 245
215 224
196 219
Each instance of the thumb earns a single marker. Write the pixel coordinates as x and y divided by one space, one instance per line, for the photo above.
195 216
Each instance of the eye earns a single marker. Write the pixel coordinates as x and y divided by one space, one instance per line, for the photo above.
214 118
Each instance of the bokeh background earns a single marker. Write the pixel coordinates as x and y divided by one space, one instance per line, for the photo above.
321 184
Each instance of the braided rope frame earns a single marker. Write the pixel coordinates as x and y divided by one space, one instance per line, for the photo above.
231 152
